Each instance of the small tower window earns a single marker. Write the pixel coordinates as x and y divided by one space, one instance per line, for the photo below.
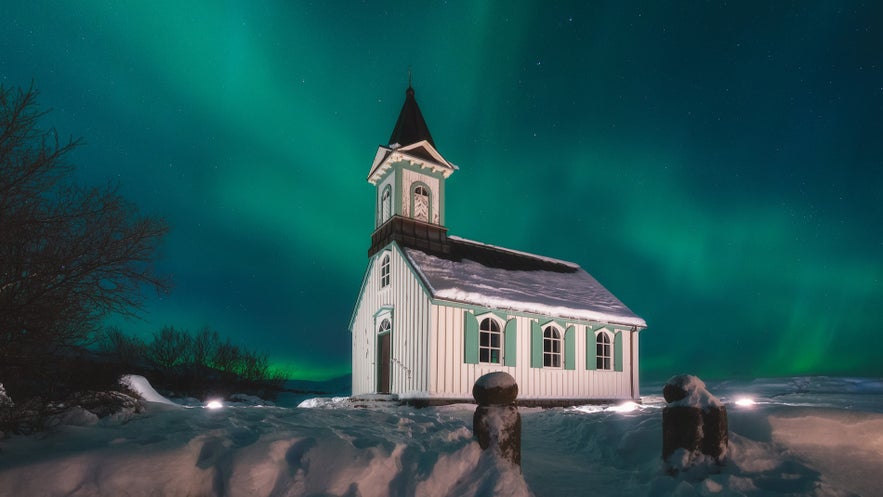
421 204
551 348
602 352
384 272
385 204
490 341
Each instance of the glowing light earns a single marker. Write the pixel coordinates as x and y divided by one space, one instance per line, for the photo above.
214 404
625 407
745 402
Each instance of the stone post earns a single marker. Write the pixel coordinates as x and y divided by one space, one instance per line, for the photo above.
497 422
694 425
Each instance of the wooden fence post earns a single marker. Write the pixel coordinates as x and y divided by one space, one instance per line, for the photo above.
694 425
497 422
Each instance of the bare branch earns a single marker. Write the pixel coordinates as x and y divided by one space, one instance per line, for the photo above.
69 255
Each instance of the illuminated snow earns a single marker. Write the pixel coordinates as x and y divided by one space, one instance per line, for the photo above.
142 387
807 437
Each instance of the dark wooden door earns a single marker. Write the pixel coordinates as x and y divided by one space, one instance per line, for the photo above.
383 346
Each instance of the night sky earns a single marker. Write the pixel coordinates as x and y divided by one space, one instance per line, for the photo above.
717 167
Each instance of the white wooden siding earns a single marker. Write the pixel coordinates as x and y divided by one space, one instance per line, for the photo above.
451 377
409 369
427 354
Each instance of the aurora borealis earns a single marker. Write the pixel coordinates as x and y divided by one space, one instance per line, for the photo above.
717 167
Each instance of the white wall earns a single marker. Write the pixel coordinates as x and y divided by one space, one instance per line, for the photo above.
427 357
410 329
451 377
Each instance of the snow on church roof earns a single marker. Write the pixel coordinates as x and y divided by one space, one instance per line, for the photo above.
498 278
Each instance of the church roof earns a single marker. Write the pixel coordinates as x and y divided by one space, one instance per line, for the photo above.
410 128
497 278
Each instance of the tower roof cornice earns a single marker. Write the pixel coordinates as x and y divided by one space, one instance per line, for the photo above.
420 153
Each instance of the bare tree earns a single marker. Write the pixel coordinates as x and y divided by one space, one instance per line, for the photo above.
170 347
204 346
120 347
227 357
69 255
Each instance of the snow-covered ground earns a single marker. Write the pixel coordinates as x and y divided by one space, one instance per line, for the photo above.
801 436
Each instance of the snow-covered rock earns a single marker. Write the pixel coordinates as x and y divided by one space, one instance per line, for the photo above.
326 403
143 388
5 401
242 399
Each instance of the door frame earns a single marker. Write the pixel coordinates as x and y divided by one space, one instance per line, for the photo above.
384 364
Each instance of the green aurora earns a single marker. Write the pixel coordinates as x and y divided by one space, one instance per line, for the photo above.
717 167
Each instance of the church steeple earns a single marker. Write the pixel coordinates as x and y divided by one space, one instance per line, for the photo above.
409 175
410 127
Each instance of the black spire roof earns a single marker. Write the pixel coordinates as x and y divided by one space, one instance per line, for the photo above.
410 128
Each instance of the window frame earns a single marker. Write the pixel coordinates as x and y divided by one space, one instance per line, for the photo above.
487 348
603 352
553 347
385 204
385 270
414 194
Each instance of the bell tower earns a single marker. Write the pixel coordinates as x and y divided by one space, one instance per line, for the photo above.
409 176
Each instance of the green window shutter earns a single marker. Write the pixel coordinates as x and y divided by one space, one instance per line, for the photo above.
536 345
510 340
617 351
591 350
570 348
470 339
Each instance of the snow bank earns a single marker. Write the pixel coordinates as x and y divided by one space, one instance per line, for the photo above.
265 451
850 444
142 387
792 443
325 403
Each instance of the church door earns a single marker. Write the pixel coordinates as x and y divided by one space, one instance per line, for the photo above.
383 353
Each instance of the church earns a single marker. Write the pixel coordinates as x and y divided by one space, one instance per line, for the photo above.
435 312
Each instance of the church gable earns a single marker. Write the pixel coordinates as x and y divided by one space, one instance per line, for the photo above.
387 272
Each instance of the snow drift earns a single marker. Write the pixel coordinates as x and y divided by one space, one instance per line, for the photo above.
802 437
266 451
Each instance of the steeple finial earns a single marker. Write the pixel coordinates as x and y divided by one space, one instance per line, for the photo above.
409 76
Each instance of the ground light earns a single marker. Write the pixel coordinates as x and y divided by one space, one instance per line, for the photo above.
624 407
745 402
214 404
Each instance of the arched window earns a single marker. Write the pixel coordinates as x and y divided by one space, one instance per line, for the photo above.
602 352
384 272
420 210
551 347
385 204
384 327
490 341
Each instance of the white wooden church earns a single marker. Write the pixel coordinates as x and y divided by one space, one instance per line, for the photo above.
435 312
